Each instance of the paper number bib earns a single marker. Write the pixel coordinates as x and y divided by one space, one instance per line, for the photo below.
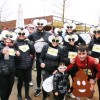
71 54
96 48
11 52
52 51
24 48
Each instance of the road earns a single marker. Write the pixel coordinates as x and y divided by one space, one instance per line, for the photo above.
13 95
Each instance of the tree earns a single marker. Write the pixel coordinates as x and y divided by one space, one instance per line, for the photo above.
61 7
3 11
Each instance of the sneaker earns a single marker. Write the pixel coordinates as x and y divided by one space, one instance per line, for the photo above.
46 98
37 93
19 97
34 69
28 98
71 95
30 84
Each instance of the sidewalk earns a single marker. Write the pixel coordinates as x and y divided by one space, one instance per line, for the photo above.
32 90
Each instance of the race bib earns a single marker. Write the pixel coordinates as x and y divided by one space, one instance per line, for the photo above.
71 54
96 48
24 48
52 51
11 52
88 72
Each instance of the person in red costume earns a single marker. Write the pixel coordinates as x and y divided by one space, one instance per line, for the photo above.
85 62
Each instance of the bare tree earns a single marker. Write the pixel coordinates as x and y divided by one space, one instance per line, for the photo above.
3 11
61 6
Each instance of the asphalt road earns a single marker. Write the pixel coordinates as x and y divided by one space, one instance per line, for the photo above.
13 95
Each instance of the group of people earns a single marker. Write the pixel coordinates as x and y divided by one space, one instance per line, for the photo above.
55 54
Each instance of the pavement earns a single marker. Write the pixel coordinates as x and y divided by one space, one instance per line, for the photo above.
13 95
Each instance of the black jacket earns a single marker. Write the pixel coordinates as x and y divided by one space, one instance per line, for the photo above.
66 50
51 61
24 60
91 44
61 82
37 35
10 63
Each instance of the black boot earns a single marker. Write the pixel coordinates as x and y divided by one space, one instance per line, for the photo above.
19 97
28 98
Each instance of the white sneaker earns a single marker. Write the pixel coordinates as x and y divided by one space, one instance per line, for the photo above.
71 95
30 83
34 69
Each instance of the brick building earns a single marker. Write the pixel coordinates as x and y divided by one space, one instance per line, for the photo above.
53 21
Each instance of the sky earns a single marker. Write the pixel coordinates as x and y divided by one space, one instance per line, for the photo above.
85 11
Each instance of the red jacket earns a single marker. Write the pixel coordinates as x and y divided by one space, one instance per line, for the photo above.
87 63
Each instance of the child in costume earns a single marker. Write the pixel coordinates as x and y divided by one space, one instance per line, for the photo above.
61 83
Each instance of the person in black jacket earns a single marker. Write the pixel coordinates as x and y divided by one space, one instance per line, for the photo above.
61 84
50 57
70 29
39 38
69 50
23 62
31 29
94 50
7 63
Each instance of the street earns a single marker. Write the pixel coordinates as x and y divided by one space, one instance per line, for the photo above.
13 95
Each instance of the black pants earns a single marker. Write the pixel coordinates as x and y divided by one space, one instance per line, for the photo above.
24 75
6 84
59 97
98 83
38 67
32 60
45 75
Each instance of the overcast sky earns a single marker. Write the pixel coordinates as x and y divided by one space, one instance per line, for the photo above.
86 11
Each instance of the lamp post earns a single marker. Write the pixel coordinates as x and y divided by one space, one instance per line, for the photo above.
63 14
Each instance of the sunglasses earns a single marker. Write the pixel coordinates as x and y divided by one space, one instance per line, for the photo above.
31 27
21 34
71 39
62 68
69 27
55 40
39 24
9 36
96 32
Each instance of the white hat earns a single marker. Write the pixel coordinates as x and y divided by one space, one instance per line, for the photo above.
93 29
57 30
40 21
48 84
7 34
51 37
98 28
69 24
75 37
23 30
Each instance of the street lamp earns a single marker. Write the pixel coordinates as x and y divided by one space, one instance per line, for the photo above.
63 14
